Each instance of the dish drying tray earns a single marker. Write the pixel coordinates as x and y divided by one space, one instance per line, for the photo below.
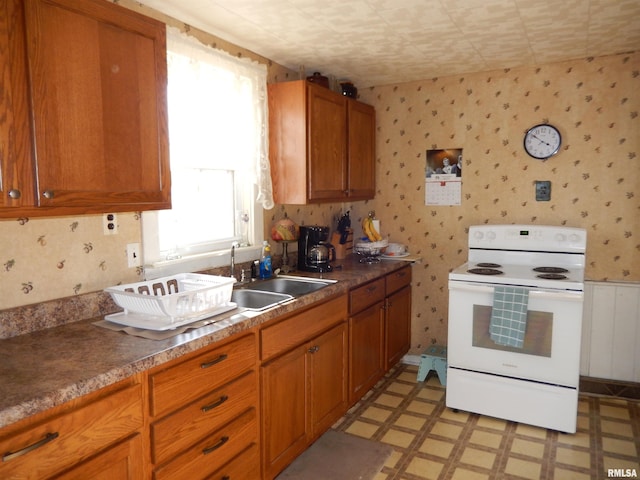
370 251
171 302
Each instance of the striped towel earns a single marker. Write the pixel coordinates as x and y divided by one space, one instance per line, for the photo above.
509 316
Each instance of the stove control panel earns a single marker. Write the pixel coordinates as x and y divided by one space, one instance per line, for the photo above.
528 237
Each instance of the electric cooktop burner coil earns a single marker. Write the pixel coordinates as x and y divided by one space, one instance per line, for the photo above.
485 271
552 276
550 270
489 265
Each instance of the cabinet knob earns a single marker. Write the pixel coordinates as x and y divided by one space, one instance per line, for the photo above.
15 193
48 194
314 349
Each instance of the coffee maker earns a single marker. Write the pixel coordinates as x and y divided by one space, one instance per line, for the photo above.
314 252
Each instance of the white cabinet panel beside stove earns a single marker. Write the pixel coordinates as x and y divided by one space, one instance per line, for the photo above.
515 324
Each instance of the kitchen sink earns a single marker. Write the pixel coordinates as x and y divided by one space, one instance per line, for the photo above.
295 286
258 300
263 294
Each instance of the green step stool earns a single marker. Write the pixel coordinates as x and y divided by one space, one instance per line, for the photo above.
434 358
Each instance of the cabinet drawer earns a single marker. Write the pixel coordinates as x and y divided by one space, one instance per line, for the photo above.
299 328
183 383
398 279
211 453
66 439
366 295
246 465
183 428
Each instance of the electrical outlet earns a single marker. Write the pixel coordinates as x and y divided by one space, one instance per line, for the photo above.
110 223
133 255
543 190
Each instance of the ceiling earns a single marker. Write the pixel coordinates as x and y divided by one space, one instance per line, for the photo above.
380 42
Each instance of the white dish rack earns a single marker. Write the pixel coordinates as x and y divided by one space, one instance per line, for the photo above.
170 302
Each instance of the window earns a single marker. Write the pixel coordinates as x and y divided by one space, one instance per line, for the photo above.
219 167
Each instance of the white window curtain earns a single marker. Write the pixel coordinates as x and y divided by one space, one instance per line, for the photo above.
216 131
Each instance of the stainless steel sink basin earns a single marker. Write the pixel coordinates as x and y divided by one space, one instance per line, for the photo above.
258 300
295 286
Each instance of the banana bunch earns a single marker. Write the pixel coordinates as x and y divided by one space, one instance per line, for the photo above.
369 230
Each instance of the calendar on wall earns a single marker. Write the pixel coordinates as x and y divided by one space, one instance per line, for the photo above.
443 179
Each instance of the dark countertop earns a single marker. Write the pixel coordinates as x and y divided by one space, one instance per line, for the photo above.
47 368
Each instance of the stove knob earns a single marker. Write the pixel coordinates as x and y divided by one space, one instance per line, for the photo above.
491 235
478 235
561 237
574 238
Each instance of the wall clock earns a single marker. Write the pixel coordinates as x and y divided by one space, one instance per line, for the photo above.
542 141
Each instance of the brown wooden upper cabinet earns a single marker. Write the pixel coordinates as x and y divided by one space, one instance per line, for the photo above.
321 145
87 111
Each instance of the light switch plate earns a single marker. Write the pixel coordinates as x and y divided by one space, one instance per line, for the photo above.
543 190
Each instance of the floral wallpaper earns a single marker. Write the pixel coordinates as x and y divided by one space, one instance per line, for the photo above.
595 181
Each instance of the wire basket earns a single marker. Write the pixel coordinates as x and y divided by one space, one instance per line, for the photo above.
178 297
370 251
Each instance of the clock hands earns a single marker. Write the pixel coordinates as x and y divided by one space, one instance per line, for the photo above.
540 140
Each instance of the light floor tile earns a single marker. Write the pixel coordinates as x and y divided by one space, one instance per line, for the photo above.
615 411
523 468
408 377
361 429
424 468
389 400
578 439
531 431
563 474
617 463
570 456
398 438
463 474
431 394
393 459
493 423
423 408
436 447
622 429
478 458
621 447
400 388
446 430
377 414
486 439
410 421
527 447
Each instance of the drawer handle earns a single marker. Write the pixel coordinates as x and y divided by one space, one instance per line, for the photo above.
215 404
214 361
47 438
314 349
372 289
222 441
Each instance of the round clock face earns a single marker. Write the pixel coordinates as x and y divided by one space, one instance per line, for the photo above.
542 141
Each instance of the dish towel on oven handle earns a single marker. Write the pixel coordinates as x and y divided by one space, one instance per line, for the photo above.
509 316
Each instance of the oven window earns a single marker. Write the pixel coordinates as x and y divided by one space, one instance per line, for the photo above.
537 339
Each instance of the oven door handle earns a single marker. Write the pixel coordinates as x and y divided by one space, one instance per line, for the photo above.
533 291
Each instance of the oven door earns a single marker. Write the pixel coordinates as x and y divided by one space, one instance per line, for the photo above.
551 349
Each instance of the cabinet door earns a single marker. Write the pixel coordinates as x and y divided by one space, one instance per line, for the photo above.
366 350
327 143
398 326
361 120
98 89
284 410
328 377
16 160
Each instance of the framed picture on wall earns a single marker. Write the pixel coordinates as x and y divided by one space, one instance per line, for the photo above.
443 177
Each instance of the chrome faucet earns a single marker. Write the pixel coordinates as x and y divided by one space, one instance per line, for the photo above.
233 258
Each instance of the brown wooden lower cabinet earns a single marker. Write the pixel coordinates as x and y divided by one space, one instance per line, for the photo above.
79 438
304 388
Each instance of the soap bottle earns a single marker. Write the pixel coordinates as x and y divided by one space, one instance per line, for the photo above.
265 261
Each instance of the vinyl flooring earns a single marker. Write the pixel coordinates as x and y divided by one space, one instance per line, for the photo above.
431 441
